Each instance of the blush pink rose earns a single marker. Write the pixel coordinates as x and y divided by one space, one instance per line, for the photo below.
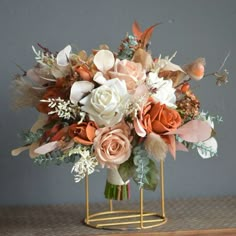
112 145
131 72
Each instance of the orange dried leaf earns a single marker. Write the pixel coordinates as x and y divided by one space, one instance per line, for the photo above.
146 36
136 30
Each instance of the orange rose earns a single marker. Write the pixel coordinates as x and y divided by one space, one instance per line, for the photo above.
157 118
83 133
84 73
164 119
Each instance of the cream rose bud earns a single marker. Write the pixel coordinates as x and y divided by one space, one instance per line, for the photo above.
112 145
131 72
105 104
163 90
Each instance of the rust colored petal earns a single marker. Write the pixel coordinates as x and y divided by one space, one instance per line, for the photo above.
155 111
71 130
49 133
81 131
60 134
84 73
82 141
158 127
90 130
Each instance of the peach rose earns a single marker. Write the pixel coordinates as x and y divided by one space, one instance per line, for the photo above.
83 133
112 145
164 119
132 73
142 123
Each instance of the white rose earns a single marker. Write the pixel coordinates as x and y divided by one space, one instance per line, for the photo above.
162 90
105 104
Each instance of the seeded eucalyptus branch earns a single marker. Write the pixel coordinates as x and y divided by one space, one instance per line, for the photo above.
55 157
31 137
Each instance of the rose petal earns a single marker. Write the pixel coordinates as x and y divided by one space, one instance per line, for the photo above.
139 128
63 56
141 91
48 147
158 127
78 89
82 141
90 131
194 131
104 60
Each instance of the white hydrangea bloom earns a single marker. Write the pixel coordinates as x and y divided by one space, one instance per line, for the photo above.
162 90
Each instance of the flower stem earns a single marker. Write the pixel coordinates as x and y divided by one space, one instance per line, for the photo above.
116 188
117 192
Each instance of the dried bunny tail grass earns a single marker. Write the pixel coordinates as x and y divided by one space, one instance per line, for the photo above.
24 95
156 146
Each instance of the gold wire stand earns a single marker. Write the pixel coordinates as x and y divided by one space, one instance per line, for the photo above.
127 219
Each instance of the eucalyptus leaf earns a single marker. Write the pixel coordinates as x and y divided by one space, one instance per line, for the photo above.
152 177
148 180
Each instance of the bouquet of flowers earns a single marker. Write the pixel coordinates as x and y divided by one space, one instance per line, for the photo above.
121 110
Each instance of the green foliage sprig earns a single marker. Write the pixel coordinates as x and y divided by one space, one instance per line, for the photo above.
31 137
141 168
55 157
200 145
127 48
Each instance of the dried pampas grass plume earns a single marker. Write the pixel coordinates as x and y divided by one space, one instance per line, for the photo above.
24 95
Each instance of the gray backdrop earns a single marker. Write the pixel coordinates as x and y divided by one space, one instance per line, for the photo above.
199 28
